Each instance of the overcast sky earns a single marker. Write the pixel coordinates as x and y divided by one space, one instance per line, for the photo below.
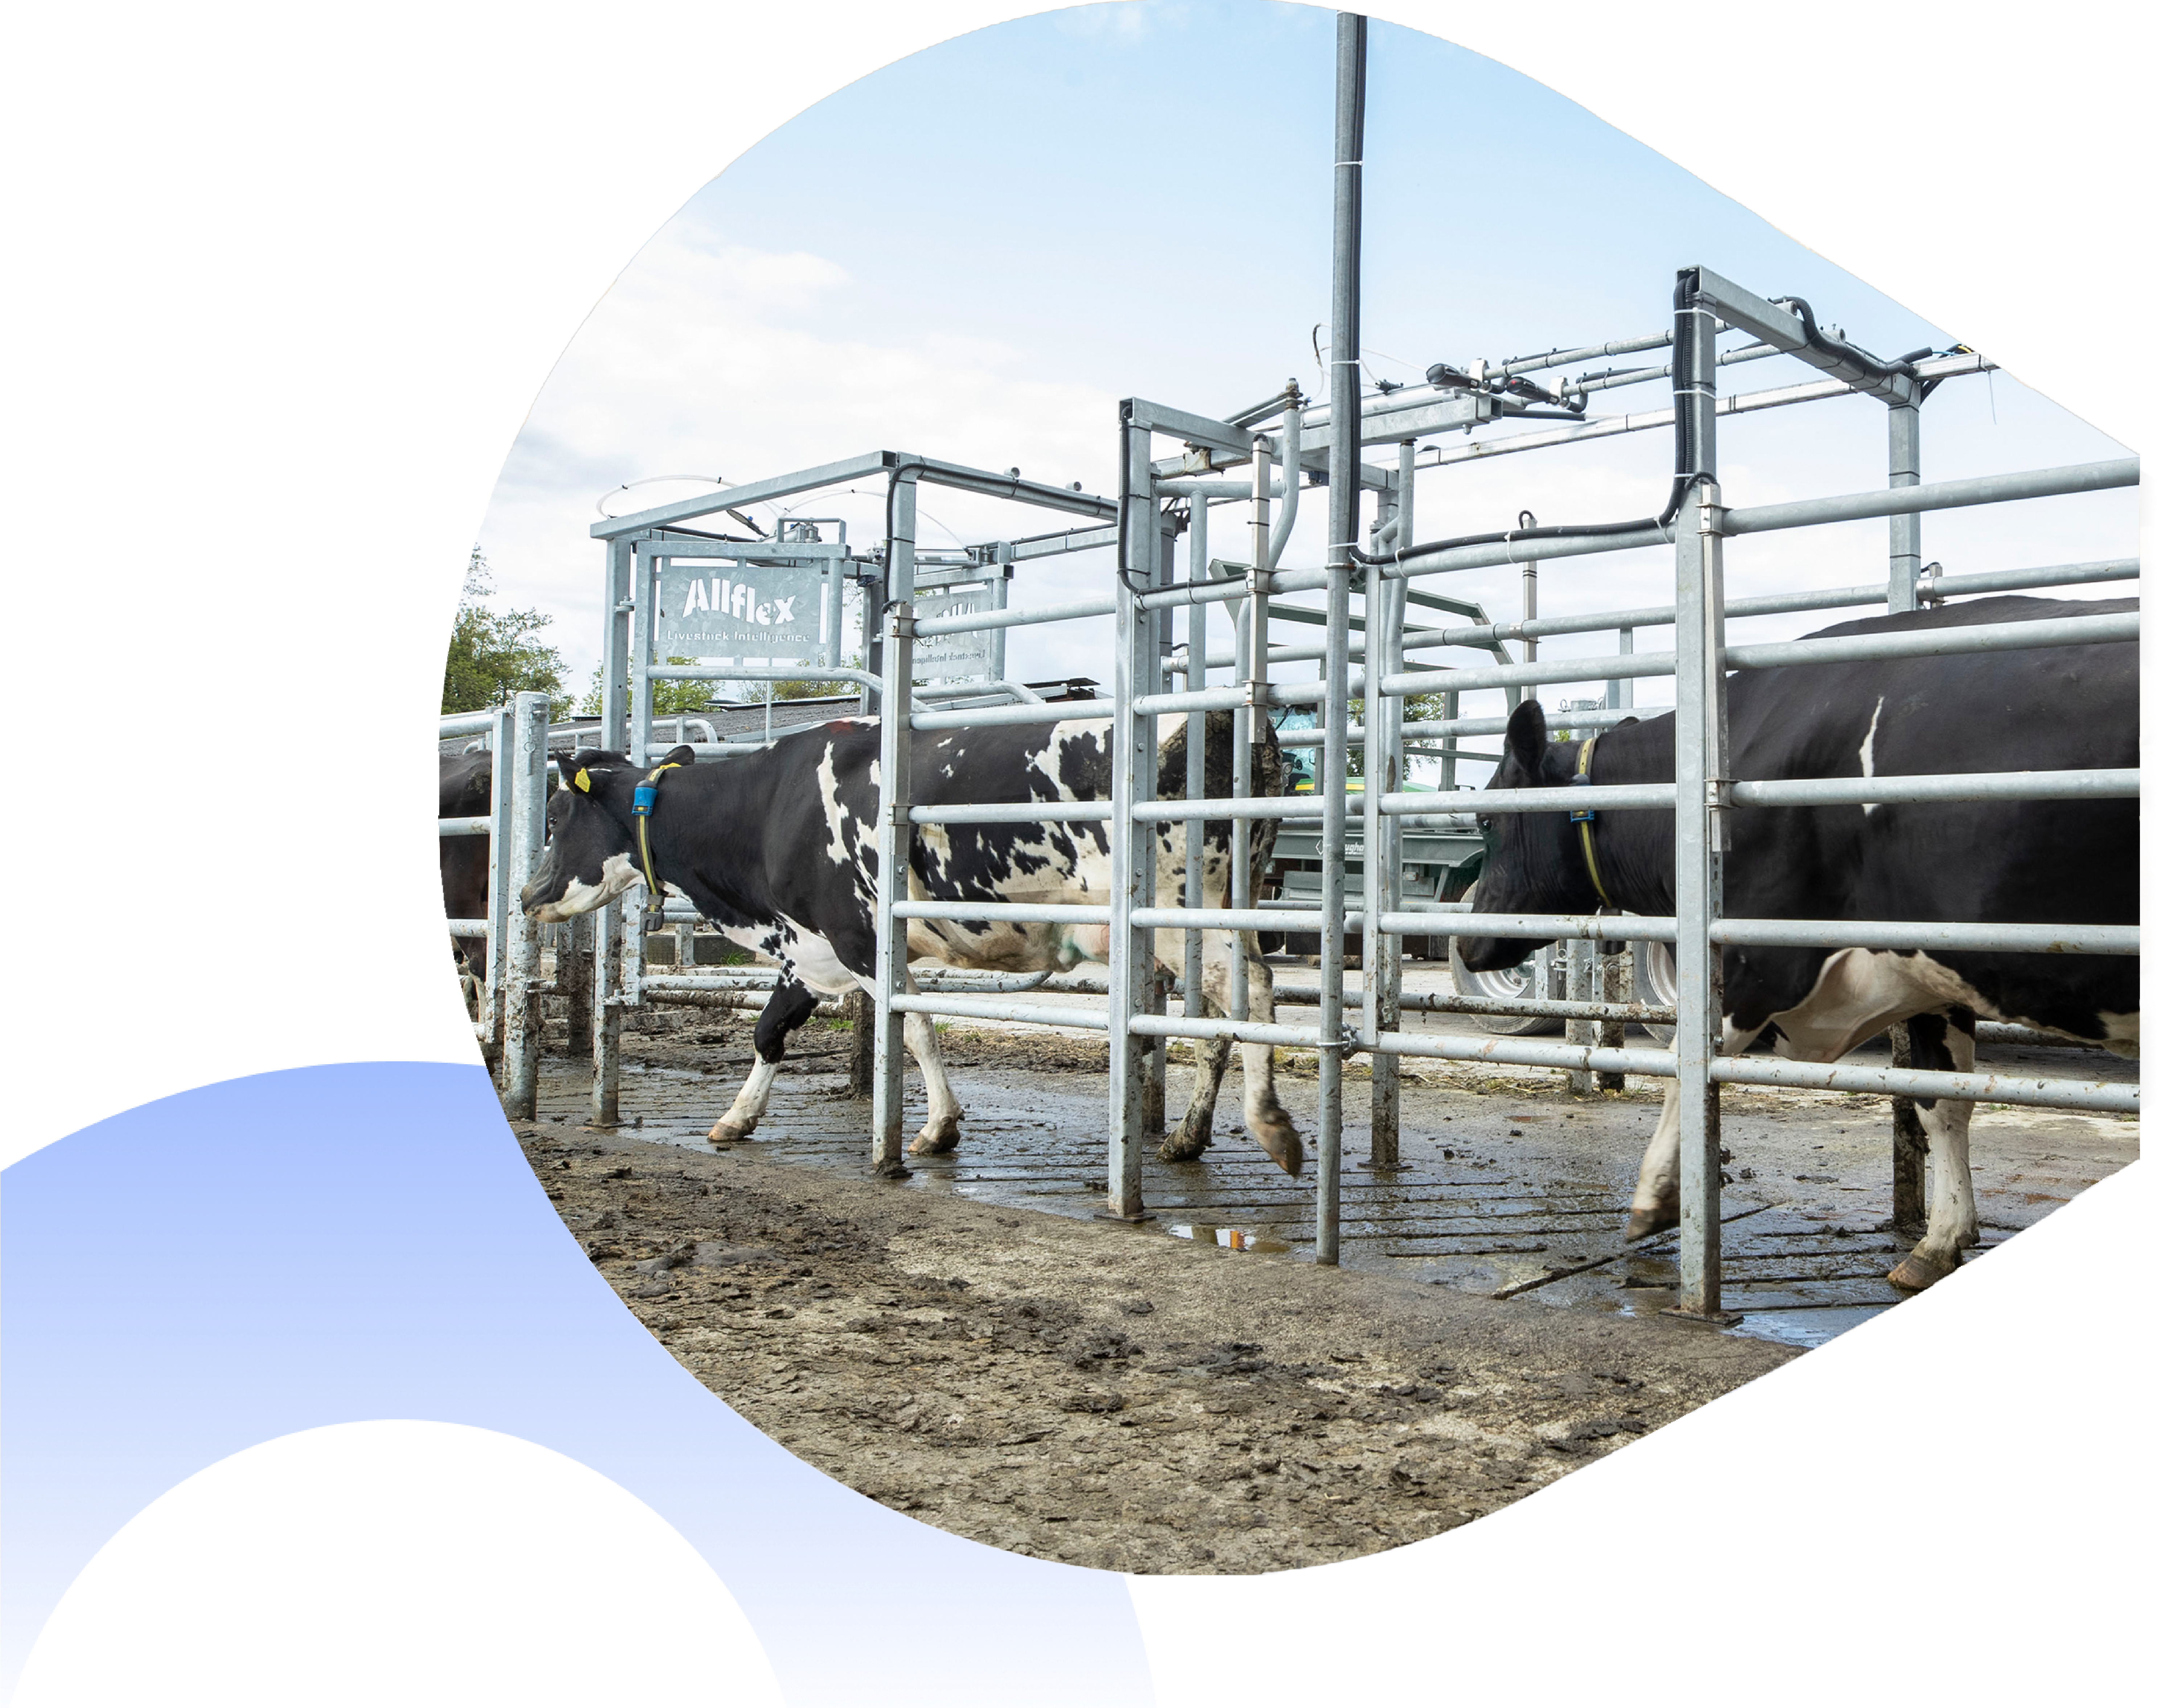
974 254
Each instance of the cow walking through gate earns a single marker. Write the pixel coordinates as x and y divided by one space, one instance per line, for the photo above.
778 850
2073 862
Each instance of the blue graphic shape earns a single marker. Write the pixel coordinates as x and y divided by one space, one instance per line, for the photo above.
366 1241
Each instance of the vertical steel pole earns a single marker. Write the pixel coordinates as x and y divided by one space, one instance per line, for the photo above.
1000 599
609 928
1194 766
1618 691
1384 603
1904 558
1152 677
1701 826
525 758
835 612
1448 767
1344 495
1131 776
1580 984
1528 615
502 796
1252 643
894 834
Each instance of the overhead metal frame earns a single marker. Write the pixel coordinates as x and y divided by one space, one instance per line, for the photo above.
1304 444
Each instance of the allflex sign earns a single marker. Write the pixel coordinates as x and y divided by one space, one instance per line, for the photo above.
737 609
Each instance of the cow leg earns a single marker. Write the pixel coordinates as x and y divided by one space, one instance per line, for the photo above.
1943 1042
940 1132
1267 1121
1194 1135
1655 1197
791 1003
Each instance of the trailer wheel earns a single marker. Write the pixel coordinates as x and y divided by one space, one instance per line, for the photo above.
1512 982
1655 979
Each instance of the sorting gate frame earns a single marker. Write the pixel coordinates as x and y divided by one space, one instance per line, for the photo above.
515 826
1160 498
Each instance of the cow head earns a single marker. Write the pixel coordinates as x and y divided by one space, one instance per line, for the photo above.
591 836
1532 860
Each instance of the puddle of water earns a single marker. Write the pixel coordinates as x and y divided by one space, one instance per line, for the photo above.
1236 1239
1806 1328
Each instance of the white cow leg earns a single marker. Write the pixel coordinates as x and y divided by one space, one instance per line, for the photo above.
1267 1122
747 1107
1655 1198
1194 1135
940 1132
1951 1223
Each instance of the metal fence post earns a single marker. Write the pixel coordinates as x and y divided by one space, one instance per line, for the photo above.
1152 678
1905 558
894 834
1702 829
609 928
1384 773
1580 986
501 797
1254 630
1131 779
1194 766
526 759
1344 496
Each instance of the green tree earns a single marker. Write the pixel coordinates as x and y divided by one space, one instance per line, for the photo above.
1420 709
495 654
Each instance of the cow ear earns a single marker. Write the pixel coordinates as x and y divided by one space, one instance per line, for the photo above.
582 770
680 756
1527 737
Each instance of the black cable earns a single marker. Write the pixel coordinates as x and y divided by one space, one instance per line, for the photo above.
1685 478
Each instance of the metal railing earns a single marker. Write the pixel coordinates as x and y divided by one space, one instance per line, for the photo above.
515 824
1178 493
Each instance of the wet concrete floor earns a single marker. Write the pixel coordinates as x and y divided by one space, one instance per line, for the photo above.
1507 1187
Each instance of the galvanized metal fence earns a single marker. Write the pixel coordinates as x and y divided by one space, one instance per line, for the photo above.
1369 580
511 1018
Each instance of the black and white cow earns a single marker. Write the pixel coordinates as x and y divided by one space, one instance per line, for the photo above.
467 791
778 849
2038 862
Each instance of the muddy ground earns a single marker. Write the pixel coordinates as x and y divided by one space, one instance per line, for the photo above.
1097 1394
1105 1395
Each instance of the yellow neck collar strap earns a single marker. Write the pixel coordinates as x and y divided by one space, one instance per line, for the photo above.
1585 818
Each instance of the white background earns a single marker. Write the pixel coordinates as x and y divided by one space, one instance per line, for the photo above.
284 280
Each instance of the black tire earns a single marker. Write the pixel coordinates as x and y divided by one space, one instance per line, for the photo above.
1513 981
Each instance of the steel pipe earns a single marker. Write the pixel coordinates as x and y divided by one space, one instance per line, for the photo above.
977 1008
1975 785
1937 495
1017 617
1905 935
1009 913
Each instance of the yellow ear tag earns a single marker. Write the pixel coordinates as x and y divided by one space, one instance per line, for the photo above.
583 780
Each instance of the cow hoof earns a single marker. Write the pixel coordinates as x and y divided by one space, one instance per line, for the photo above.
1183 1145
1918 1271
1278 1139
1643 1222
936 1141
731 1132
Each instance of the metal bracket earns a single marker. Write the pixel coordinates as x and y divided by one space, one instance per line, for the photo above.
1721 792
1259 695
1258 581
902 623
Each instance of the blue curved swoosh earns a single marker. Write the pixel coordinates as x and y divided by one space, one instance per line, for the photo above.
365 1240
